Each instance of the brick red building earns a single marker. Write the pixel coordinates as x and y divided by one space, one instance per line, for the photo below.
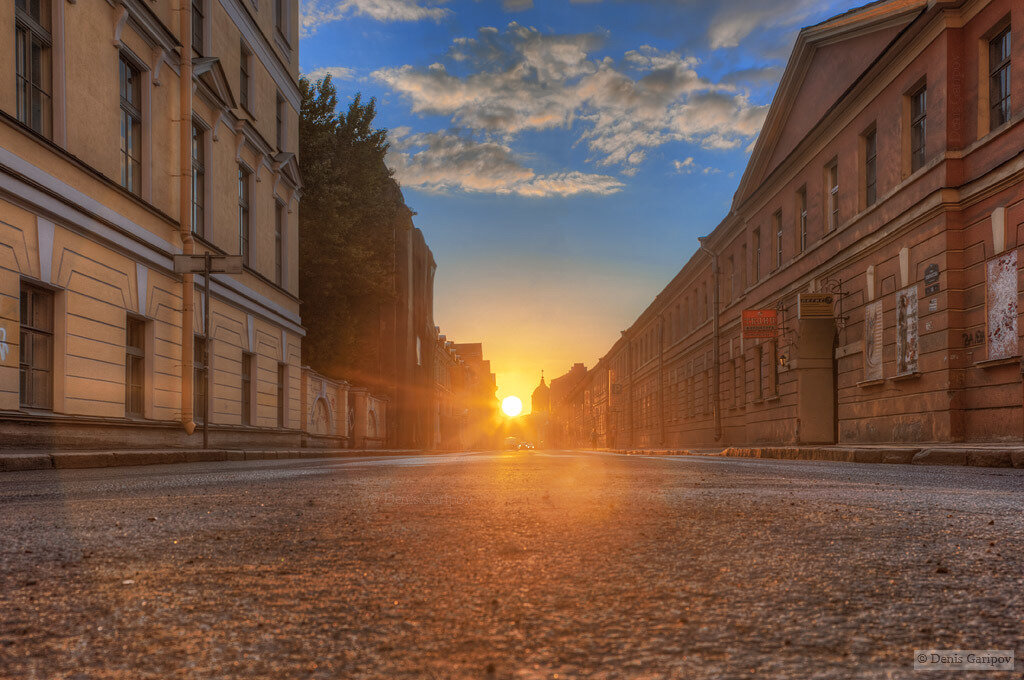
890 175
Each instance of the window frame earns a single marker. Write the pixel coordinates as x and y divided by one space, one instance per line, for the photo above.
199 132
870 140
29 333
777 229
757 254
801 217
245 214
131 111
918 102
245 376
200 376
245 76
32 32
999 75
832 195
199 12
279 242
135 365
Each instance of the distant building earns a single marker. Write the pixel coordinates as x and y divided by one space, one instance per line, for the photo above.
540 401
879 219
482 420
132 132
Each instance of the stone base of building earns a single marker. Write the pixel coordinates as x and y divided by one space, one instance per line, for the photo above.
53 432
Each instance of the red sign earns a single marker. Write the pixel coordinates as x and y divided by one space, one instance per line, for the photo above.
760 323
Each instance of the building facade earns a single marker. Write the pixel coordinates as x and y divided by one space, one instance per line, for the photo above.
131 132
887 184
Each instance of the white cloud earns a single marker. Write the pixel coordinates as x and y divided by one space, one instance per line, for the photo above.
443 162
736 19
685 166
525 80
335 72
315 13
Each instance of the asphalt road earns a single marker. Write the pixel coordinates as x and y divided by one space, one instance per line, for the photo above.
515 565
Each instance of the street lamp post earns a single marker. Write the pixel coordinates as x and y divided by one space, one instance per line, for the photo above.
207 264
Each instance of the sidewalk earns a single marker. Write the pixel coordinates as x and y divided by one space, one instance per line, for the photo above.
998 454
48 460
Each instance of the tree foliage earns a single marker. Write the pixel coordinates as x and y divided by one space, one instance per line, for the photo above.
350 205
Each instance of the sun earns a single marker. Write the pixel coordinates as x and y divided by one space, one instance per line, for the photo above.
512 406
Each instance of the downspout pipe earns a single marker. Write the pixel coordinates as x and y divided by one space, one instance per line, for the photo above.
716 351
188 302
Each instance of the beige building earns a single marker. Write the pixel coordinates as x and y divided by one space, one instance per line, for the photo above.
130 132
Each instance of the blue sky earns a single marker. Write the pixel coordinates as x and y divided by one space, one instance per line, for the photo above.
563 156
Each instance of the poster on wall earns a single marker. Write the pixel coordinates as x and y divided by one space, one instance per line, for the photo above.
1001 306
873 340
906 331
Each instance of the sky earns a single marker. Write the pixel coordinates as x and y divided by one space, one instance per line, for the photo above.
562 156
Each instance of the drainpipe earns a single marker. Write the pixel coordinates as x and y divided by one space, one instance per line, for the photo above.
185 215
715 350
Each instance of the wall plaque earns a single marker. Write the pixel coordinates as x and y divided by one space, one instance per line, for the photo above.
815 306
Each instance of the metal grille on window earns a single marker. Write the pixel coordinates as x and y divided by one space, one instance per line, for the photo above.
131 126
134 366
33 73
999 77
36 348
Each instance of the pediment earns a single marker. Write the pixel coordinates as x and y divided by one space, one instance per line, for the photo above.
826 61
209 74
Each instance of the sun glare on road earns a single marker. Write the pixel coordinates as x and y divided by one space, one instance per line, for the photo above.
512 406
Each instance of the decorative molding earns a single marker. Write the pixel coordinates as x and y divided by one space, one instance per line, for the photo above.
262 49
142 285
72 208
44 228
122 19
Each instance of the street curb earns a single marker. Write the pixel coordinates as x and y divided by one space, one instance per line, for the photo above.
63 460
949 456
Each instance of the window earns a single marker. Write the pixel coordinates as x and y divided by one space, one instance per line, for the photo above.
918 128
32 63
777 228
247 365
243 77
743 267
870 167
759 376
281 18
199 383
279 222
730 279
36 349
801 216
198 180
131 127
757 255
281 368
134 366
999 78
832 195
243 215
198 27
281 121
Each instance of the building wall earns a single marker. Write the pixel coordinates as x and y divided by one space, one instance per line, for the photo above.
942 215
69 226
